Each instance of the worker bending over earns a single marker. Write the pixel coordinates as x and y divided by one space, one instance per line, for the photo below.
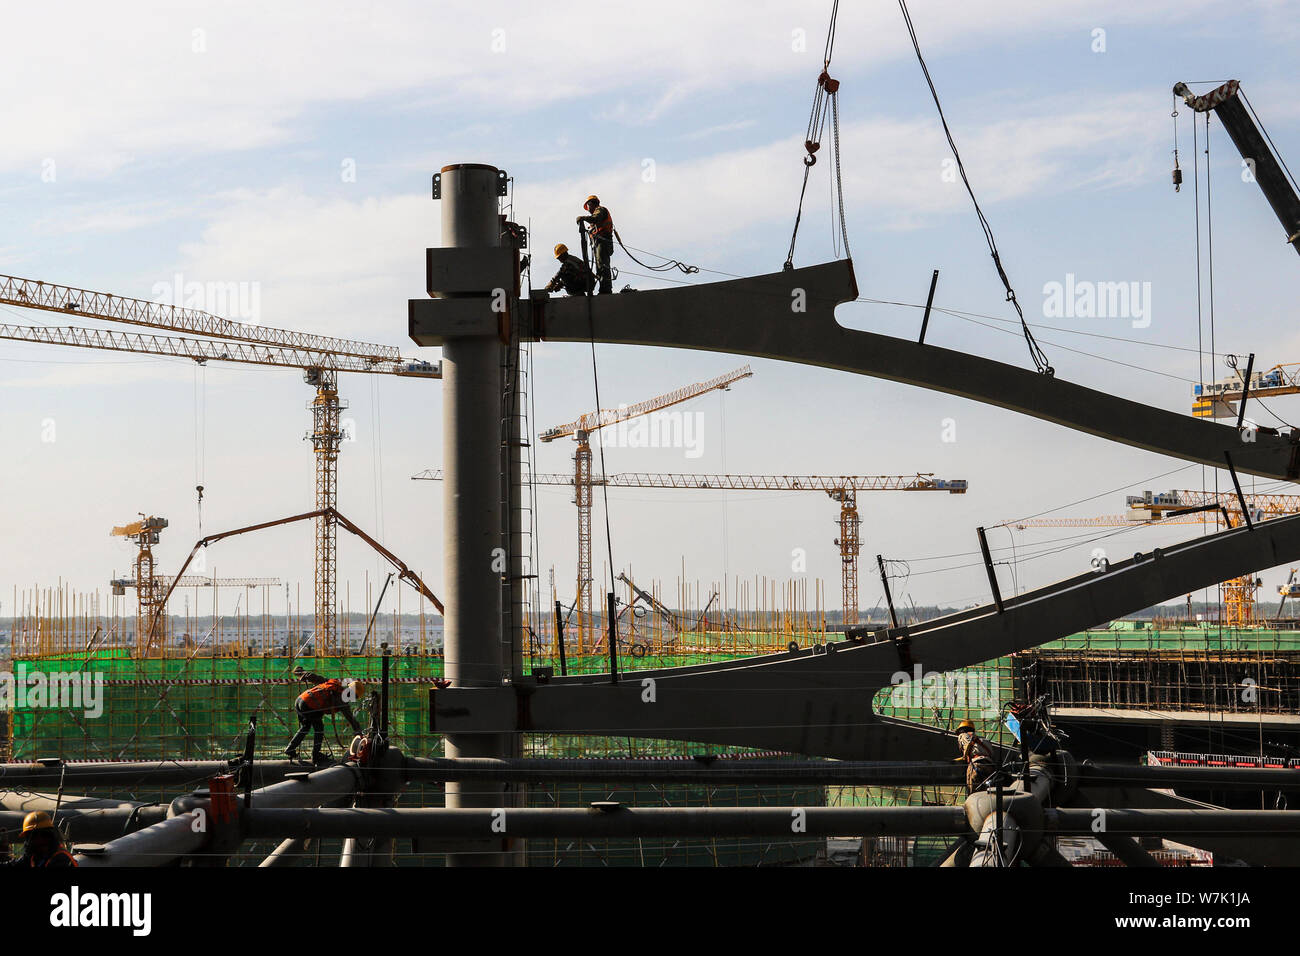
600 230
42 843
574 277
324 697
978 754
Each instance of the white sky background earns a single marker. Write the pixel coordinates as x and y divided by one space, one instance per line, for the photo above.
217 155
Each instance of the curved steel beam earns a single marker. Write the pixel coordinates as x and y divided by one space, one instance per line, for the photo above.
761 316
821 703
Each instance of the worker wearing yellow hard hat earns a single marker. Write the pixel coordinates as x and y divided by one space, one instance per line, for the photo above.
600 231
42 843
977 753
574 277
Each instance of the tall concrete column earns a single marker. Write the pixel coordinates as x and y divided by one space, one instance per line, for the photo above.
471 428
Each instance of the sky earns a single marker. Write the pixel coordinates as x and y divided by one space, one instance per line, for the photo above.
288 149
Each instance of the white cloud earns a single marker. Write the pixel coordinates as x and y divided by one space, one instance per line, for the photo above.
95 89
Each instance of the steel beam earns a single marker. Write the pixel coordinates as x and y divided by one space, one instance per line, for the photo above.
1261 848
821 703
605 822
93 824
1175 823
1190 778
157 845
162 773
790 316
697 772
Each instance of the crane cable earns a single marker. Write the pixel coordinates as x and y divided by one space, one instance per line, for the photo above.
200 434
825 104
1036 353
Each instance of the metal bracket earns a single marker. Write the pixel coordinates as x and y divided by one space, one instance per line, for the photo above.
503 183
437 185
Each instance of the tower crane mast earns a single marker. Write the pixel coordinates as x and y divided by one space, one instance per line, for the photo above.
581 430
321 358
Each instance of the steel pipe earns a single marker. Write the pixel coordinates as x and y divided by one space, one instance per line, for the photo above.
157 845
93 824
1190 778
702 772
613 822
161 773
1259 823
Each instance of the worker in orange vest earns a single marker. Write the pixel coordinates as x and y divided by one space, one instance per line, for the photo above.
600 230
324 697
978 754
43 843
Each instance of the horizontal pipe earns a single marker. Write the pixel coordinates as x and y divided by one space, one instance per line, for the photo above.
114 773
27 801
766 771
92 824
330 785
1260 823
1191 778
613 823
158 845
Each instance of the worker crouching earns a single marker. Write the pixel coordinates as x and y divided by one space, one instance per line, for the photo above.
978 754
313 705
574 277
42 843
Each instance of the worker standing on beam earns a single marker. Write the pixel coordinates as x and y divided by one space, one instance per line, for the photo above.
600 230
43 843
574 277
324 697
978 754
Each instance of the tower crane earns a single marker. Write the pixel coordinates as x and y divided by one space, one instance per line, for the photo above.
841 488
581 430
321 358
1239 594
150 587
1180 507
1217 399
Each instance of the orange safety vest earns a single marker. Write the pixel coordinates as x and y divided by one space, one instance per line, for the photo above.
326 696
49 860
603 225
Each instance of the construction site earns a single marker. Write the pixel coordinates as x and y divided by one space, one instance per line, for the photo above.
554 689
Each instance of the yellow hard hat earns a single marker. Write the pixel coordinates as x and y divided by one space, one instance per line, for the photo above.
591 200
358 689
560 249
967 724
37 820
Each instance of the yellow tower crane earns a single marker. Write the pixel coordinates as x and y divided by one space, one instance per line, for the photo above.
320 358
150 588
1192 507
1239 594
841 488
581 430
